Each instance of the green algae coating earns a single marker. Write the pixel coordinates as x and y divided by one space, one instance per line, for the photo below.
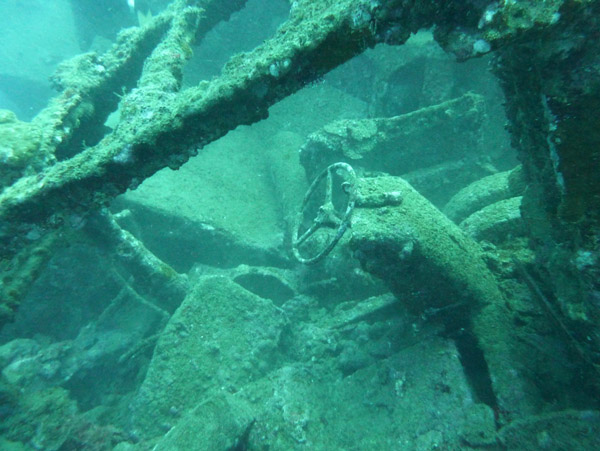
430 264
416 233
19 144
220 338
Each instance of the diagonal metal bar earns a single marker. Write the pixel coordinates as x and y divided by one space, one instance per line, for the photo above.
165 127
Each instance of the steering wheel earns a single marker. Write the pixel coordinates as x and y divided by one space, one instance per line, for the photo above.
327 215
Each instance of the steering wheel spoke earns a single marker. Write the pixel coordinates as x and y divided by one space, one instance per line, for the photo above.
329 186
308 233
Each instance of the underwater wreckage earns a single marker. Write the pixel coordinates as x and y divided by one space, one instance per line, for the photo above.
547 58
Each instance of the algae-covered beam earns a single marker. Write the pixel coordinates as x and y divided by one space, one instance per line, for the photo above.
90 84
161 126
